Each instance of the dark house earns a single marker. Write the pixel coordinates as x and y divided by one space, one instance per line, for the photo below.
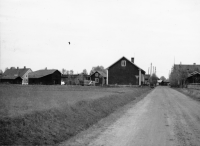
193 78
125 72
16 75
99 77
45 77
75 79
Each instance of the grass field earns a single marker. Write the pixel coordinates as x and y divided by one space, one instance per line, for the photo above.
48 115
16 100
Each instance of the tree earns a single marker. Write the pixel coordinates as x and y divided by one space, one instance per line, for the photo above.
85 72
65 72
163 78
71 72
1 72
153 79
98 68
178 77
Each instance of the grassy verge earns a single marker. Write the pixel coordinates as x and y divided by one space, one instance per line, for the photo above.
50 127
193 93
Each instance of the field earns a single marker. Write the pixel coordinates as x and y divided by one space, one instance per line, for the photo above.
48 115
17 100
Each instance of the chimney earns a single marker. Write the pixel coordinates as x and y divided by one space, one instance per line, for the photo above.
194 63
24 67
132 59
17 67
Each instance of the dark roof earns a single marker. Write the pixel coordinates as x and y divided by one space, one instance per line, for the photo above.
10 77
41 73
193 73
190 68
13 73
100 72
128 60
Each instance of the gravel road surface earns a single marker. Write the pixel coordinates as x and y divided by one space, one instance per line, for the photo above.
165 117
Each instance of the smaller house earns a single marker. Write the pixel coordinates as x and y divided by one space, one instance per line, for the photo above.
193 77
16 75
99 77
146 79
45 77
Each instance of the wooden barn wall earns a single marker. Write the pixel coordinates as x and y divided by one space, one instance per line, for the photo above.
123 75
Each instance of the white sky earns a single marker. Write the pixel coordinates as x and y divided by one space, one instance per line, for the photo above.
35 33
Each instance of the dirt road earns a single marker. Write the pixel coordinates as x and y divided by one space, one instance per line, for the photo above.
164 117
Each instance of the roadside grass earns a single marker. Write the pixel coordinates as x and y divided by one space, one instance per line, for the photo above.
52 126
17 100
193 93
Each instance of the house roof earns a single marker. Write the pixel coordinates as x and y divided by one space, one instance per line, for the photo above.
100 72
190 67
13 73
10 77
126 59
41 73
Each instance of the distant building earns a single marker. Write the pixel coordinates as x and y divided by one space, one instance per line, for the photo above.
147 79
125 72
16 75
45 77
188 68
99 77
75 79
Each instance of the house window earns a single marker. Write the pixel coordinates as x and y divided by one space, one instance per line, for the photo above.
97 80
96 74
123 63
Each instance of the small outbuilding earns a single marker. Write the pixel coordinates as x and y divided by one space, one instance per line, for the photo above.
99 77
45 77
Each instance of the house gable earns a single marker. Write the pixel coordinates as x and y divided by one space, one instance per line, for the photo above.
125 72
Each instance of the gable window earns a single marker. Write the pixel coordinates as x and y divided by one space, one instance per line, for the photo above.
97 80
96 74
123 63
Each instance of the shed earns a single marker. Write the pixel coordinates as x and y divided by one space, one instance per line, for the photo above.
99 77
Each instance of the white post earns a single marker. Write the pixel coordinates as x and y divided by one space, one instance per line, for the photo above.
107 77
139 76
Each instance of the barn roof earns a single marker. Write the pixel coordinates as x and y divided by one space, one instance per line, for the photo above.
12 73
126 59
41 73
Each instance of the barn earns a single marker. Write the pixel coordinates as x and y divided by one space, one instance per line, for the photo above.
45 77
99 77
125 72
